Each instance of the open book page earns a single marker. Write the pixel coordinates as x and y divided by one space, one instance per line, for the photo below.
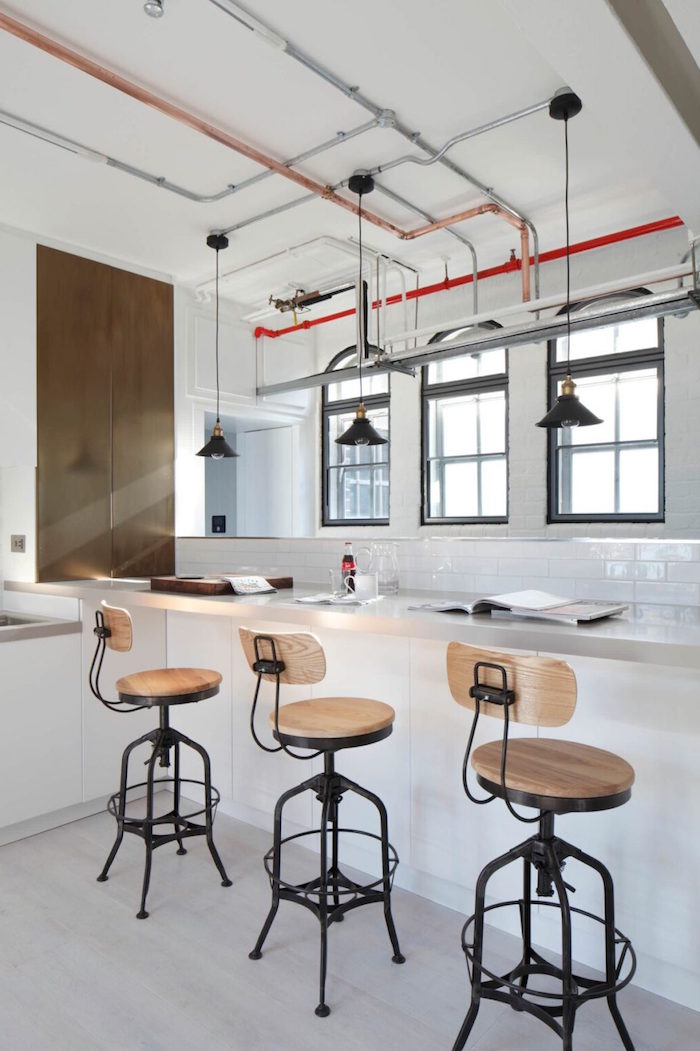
520 600
324 599
537 604
535 600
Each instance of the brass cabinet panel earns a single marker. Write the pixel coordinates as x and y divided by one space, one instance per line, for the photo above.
142 426
105 420
73 410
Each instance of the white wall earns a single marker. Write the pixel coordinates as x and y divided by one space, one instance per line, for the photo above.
17 402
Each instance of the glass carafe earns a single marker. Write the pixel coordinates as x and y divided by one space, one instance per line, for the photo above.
383 560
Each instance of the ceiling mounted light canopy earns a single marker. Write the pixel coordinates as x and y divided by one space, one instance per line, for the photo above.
154 8
567 411
217 448
361 431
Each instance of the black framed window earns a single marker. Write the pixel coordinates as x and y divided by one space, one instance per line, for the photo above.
465 435
613 471
355 477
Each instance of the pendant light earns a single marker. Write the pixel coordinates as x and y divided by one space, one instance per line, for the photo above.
567 410
361 431
217 447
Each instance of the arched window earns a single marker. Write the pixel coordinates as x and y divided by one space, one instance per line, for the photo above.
465 434
355 477
613 471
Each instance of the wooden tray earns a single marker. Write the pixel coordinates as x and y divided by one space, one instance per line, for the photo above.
209 585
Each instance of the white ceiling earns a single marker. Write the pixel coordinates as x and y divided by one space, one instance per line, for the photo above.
444 68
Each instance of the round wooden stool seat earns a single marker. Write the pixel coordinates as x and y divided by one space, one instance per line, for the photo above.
326 721
168 686
559 776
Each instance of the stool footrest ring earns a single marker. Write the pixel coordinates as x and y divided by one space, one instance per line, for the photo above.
339 885
138 823
509 986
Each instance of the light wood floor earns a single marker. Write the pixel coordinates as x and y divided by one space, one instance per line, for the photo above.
78 972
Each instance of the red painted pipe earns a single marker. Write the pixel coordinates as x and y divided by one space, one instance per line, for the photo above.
504 268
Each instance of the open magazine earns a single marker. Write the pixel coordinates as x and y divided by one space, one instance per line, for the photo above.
537 604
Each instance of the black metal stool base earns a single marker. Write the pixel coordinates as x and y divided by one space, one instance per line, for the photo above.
547 855
332 894
163 740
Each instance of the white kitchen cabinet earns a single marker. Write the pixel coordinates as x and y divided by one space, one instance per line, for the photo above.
40 743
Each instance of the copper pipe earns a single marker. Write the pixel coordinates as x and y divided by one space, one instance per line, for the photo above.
525 260
440 224
148 98
484 209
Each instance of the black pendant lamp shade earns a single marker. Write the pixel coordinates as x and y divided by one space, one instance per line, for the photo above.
217 448
567 411
361 431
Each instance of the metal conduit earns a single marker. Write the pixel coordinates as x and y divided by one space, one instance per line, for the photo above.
12 120
410 158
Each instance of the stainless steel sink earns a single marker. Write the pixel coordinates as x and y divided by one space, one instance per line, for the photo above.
11 620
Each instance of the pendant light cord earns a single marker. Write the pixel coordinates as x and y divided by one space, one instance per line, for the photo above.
216 341
568 260
360 298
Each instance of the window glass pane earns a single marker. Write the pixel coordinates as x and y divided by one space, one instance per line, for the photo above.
456 426
461 490
357 454
350 389
641 334
467 424
360 492
492 421
598 394
592 482
467 366
639 481
434 471
494 494
638 393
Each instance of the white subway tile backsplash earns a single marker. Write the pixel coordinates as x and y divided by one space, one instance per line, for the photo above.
636 570
670 552
653 573
667 593
576 567
683 572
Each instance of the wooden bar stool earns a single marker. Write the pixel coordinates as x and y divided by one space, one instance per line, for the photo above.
158 688
326 725
554 777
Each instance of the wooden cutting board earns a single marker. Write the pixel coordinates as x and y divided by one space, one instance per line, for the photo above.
210 585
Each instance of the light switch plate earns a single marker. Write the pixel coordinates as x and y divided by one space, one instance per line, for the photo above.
18 543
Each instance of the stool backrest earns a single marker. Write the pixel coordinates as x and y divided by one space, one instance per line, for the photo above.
119 623
301 652
545 688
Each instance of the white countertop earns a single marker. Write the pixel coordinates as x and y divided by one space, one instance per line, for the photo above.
668 635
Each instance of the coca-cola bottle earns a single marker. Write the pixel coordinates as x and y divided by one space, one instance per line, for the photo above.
348 567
